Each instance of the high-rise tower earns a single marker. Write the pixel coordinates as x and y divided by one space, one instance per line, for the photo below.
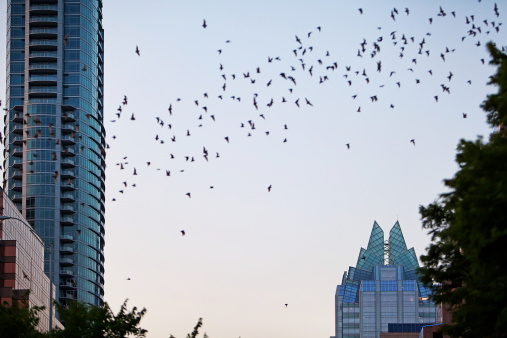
382 292
55 138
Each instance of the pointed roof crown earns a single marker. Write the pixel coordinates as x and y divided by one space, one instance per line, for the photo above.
398 252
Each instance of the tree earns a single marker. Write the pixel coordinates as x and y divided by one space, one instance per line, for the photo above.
17 319
85 321
466 263
81 320
195 332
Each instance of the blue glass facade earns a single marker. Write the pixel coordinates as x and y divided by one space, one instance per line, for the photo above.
382 293
55 138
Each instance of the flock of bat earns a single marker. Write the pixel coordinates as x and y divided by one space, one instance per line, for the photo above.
323 70
303 68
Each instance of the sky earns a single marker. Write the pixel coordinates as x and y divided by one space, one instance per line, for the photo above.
248 251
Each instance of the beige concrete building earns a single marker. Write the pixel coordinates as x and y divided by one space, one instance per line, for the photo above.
22 263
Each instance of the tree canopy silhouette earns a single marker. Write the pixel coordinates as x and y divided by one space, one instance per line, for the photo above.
82 320
466 262
17 319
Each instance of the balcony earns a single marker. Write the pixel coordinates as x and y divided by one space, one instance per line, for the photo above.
51 100
66 249
68 117
17 152
43 42
42 66
68 284
68 108
67 295
43 21
67 209
66 239
66 262
17 197
43 56
67 221
66 152
17 163
17 129
47 46
44 89
66 273
17 175
68 174
17 186
68 128
44 9
67 140
67 197
43 32
68 187
18 118
41 96
68 163
43 79
37 91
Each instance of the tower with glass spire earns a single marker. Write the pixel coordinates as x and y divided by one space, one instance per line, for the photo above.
55 138
382 292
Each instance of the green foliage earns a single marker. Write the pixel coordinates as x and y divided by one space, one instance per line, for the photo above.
85 321
468 226
19 320
496 104
195 332
81 321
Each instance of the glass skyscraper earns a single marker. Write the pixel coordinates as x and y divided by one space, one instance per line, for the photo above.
382 293
55 138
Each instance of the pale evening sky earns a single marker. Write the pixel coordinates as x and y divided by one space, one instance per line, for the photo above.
247 251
